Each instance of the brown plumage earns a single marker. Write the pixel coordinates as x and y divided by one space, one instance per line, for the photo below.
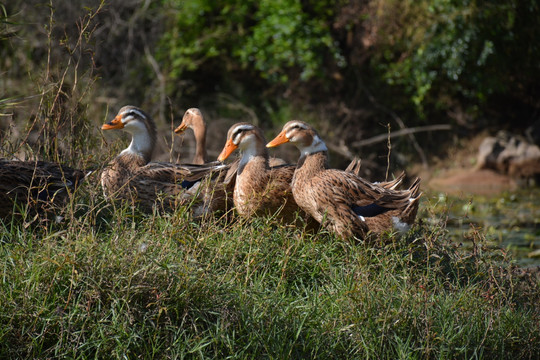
39 184
343 201
260 189
132 176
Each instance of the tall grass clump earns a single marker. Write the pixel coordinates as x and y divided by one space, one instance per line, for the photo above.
48 105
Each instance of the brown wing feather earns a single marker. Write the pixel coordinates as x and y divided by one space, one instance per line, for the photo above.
392 184
355 190
173 173
35 182
354 166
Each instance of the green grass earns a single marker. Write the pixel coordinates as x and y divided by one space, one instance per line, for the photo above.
110 282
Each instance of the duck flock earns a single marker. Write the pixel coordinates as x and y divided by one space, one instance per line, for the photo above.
259 185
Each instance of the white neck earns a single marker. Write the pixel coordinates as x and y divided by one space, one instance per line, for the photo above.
141 142
247 154
317 145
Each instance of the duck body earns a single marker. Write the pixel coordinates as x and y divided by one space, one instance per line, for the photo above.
340 200
349 204
40 184
131 175
263 190
260 189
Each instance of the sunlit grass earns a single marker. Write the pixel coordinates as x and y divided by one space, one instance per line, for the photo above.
113 282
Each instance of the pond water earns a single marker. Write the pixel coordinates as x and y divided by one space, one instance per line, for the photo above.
509 220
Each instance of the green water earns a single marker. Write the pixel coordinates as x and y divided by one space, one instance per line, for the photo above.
508 221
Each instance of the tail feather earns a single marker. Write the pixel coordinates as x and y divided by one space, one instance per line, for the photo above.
393 184
409 214
415 188
354 166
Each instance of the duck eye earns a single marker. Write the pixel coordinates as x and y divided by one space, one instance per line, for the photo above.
134 113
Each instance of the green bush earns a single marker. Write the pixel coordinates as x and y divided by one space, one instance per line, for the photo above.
272 38
465 51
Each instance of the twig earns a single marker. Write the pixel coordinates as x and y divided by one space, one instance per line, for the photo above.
131 26
389 145
402 132
161 81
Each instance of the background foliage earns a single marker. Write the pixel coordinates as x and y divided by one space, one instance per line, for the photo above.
353 67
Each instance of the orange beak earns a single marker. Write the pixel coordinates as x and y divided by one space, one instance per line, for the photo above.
227 150
278 140
181 128
115 123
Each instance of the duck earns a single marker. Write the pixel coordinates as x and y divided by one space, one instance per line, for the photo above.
193 119
260 189
216 196
39 184
132 176
344 202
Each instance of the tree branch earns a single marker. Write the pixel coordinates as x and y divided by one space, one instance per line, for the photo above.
399 121
401 132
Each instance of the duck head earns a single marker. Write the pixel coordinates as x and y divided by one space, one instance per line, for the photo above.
246 137
302 135
141 127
